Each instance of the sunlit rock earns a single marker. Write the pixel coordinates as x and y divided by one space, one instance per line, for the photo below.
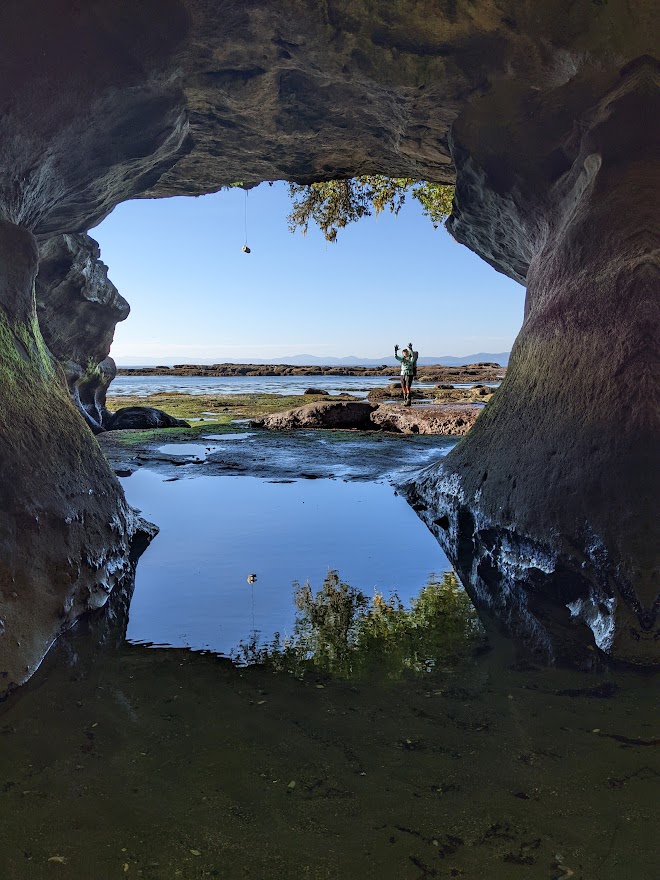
450 420
324 414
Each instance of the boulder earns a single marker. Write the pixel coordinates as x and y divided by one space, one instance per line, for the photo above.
330 414
453 420
317 391
389 392
142 417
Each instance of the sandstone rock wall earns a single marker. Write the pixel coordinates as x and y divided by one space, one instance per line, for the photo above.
78 308
65 527
547 507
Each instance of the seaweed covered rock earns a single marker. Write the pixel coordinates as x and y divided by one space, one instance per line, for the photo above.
142 417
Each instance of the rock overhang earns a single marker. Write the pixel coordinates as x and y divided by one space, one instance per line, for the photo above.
107 101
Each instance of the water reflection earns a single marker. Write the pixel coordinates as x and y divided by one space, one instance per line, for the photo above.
191 588
165 764
340 630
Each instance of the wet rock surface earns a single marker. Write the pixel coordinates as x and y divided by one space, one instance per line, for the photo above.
142 417
333 414
445 419
393 778
277 455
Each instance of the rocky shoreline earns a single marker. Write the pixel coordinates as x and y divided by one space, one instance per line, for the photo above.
482 372
441 410
444 419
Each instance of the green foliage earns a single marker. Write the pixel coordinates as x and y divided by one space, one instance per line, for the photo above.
327 626
341 631
333 204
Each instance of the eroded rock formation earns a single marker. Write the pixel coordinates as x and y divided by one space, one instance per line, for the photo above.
326 414
78 308
65 527
446 419
545 114
547 507
450 420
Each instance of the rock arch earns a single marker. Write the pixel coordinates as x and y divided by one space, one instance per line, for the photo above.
546 117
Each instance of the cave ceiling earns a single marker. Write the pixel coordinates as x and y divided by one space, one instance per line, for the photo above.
108 100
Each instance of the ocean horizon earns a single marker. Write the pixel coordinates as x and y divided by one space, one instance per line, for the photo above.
308 360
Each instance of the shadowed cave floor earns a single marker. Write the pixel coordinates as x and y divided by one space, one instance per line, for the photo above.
165 763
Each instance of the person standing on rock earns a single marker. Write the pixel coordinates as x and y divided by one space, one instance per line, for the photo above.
408 370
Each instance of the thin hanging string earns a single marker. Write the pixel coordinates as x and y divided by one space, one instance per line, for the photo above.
245 216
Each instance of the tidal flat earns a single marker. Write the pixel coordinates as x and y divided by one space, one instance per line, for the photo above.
203 409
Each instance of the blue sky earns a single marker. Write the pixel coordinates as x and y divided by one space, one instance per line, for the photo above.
195 294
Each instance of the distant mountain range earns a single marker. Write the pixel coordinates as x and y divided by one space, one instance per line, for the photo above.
310 360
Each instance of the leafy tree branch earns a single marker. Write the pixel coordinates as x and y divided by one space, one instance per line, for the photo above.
333 204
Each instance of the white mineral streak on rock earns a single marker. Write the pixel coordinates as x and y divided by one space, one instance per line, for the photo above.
600 621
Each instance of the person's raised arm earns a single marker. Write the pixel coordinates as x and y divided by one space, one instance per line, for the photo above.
396 353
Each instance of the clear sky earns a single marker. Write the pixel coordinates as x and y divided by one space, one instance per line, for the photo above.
195 294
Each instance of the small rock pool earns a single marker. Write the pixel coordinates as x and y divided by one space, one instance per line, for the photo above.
191 587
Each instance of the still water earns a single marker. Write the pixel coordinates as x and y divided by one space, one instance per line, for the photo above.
360 386
191 587
142 386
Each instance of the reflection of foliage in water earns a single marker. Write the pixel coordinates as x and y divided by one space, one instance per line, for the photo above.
342 631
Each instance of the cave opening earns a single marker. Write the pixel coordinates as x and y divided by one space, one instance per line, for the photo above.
181 253
122 759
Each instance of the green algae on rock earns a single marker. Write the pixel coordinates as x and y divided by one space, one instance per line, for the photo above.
65 527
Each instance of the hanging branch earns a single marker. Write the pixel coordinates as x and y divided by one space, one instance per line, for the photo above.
333 204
